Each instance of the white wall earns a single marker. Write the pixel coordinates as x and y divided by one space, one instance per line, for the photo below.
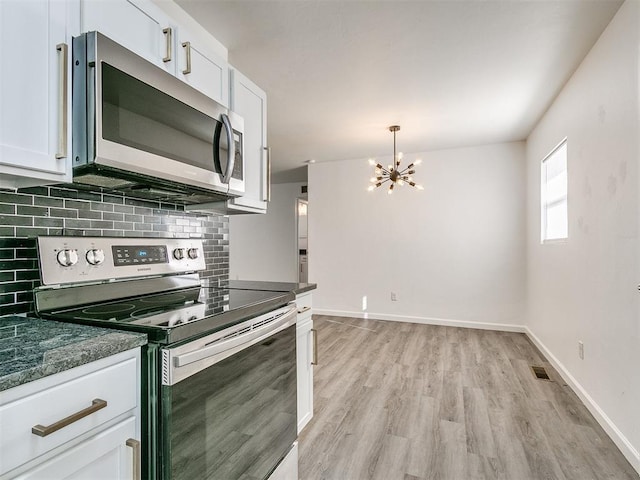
453 253
263 247
585 289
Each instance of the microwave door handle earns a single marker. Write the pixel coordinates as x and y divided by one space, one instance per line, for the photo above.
231 149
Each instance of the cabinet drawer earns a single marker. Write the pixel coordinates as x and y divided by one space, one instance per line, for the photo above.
115 384
303 302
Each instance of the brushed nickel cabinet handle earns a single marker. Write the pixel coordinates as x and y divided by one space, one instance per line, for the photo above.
135 445
315 347
63 79
304 309
266 159
267 198
42 431
187 46
168 33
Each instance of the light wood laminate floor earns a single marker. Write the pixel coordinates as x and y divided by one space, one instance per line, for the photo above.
420 402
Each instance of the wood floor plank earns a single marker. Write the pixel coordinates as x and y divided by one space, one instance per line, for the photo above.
392 459
478 427
426 402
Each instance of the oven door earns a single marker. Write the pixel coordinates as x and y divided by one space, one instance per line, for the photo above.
135 117
228 406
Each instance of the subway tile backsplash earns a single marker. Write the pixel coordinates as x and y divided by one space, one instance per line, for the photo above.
58 210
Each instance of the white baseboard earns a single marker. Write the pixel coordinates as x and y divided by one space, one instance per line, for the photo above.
447 322
627 449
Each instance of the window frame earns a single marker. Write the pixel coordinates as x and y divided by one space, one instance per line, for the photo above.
544 205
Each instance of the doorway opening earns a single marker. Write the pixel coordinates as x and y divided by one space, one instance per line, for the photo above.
302 237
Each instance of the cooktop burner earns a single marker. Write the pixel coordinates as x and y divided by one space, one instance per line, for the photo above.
109 308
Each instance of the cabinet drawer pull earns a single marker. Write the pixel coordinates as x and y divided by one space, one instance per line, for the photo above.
63 79
42 431
187 47
315 346
135 445
268 174
168 33
304 309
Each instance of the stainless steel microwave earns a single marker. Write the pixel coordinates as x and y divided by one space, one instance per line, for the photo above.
140 130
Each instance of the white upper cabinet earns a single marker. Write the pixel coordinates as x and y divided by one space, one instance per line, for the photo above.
146 30
201 68
35 93
138 25
250 102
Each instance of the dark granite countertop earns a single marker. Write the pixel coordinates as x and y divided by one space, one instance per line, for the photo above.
32 348
296 288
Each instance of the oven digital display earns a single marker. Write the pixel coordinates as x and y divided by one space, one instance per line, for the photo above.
139 255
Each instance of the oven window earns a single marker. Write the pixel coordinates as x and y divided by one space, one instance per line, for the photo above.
140 116
235 419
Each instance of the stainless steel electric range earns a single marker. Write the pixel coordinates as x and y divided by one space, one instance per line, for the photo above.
219 372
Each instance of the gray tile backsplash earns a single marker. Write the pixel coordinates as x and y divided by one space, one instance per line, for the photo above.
59 210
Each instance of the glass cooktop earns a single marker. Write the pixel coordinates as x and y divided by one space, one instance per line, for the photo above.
173 316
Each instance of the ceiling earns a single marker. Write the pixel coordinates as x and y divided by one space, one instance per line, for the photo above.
450 73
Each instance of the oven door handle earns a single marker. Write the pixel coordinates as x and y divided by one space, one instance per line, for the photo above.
225 348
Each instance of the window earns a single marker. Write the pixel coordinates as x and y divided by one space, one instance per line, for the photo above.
553 193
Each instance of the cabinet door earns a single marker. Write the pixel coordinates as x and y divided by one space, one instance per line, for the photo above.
202 69
35 134
250 102
287 469
106 455
137 25
305 370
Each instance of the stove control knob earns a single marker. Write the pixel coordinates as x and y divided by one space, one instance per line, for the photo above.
95 256
67 257
178 253
193 253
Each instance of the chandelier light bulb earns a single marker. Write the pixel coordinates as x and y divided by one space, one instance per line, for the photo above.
371 187
419 187
372 162
417 162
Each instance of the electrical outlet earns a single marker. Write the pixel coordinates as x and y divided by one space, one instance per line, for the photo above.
394 298
581 349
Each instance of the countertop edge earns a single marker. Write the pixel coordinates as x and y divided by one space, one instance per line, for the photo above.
295 287
97 343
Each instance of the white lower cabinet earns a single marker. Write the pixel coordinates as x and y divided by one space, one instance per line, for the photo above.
107 455
80 423
307 357
287 469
